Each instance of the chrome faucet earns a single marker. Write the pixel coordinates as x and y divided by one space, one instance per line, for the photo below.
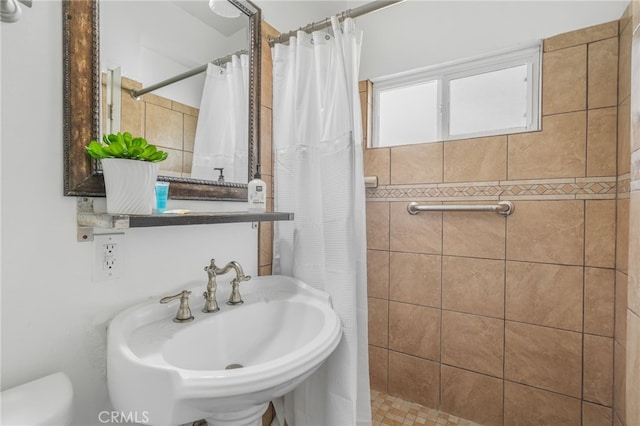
211 305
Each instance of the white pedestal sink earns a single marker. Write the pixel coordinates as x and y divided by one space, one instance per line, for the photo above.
173 373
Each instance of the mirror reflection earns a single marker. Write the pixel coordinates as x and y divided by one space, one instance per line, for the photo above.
188 64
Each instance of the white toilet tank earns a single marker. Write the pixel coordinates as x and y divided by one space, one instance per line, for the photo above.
45 401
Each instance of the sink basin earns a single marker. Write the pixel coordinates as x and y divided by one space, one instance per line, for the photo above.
225 366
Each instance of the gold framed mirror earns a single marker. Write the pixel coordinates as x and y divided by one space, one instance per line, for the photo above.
81 62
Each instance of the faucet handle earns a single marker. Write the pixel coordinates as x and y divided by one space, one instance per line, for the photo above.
184 312
211 268
234 297
244 278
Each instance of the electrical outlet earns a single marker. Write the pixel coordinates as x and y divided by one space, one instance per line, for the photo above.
108 256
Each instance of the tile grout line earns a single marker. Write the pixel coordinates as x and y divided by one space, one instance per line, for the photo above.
584 302
584 237
504 319
584 232
389 290
441 302
506 160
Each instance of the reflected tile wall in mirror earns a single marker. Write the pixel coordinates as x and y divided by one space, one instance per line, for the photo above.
163 122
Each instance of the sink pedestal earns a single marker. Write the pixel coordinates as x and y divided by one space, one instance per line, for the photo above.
248 417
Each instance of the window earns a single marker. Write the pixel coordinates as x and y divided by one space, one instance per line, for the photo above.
409 113
493 95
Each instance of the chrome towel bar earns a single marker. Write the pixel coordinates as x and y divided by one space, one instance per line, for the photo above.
504 208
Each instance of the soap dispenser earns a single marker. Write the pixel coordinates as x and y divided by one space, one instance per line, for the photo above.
257 193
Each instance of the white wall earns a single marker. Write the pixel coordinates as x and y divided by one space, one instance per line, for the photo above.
418 33
53 315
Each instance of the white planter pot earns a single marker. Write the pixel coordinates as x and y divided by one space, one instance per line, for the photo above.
130 185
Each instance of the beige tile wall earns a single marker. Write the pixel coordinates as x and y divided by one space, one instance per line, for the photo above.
554 277
508 320
265 229
168 124
622 218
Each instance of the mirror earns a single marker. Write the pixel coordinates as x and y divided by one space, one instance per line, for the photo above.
82 106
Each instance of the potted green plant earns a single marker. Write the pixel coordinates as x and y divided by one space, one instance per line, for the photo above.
130 169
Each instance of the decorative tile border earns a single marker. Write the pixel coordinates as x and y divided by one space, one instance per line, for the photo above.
635 171
624 185
540 189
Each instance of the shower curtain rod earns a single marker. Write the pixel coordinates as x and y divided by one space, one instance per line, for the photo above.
202 68
349 13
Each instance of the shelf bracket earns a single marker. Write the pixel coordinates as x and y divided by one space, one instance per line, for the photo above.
85 234
89 219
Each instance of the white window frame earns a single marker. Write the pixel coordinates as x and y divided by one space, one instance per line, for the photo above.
530 55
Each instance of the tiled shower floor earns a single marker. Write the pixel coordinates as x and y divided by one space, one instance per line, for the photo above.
390 411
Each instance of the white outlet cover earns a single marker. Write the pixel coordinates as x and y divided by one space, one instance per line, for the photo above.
100 273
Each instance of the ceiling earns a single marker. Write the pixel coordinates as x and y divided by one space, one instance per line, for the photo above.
200 10
419 33
285 15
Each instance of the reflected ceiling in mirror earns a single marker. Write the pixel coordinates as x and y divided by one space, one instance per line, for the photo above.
167 117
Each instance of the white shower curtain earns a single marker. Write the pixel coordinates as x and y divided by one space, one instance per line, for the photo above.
317 137
222 132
